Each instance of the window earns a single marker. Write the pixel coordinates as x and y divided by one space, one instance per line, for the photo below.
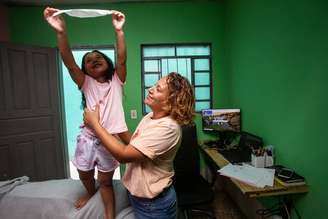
193 61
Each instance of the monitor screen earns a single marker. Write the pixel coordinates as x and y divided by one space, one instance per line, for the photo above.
221 120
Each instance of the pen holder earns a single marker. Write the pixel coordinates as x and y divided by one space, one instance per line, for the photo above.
258 161
268 160
262 161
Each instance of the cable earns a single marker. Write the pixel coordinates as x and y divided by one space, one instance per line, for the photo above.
274 210
296 211
280 208
286 209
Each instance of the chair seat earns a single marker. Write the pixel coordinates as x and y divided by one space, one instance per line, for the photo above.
197 192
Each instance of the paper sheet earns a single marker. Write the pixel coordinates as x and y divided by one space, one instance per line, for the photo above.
84 13
258 177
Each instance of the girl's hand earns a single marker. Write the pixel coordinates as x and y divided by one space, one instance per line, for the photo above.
90 117
56 22
118 20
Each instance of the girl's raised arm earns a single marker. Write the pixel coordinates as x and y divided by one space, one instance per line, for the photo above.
58 24
118 20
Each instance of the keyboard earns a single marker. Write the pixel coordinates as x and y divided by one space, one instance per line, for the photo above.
212 144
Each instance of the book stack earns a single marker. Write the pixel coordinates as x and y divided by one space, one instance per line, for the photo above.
287 177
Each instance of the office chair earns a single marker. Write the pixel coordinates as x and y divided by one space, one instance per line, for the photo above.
194 193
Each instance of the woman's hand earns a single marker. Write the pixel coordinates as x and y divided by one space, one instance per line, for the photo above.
56 22
91 118
118 20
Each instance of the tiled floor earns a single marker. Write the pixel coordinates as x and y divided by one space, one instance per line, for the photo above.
224 208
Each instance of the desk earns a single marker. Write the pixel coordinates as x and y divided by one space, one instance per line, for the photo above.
251 191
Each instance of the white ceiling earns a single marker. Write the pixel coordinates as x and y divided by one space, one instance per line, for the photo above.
72 2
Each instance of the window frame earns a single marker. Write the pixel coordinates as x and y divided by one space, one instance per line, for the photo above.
193 72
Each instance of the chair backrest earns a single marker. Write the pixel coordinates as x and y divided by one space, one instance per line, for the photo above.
186 162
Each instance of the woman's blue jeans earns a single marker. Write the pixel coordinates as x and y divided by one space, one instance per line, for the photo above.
163 206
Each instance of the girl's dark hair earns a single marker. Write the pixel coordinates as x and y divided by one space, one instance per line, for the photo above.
109 73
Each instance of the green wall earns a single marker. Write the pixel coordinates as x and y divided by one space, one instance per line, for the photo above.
145 23
269 59
276 61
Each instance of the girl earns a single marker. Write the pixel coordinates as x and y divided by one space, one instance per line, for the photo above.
101 85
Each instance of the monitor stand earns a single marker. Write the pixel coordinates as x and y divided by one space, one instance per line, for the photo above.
225 138
232 154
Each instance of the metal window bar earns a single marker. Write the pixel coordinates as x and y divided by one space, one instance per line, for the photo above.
176 57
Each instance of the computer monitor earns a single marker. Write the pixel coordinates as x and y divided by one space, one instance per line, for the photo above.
225 123
221 120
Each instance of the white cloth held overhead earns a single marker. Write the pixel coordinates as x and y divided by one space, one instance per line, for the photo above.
83 13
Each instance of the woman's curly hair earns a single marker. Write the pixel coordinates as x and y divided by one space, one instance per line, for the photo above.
181 99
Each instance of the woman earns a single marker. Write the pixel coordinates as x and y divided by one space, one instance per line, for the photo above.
151 149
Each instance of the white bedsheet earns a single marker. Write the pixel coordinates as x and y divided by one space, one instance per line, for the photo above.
7 186
55 199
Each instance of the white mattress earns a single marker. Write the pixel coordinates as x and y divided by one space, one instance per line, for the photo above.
55 199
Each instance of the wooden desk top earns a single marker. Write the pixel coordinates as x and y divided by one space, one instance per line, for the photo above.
251 191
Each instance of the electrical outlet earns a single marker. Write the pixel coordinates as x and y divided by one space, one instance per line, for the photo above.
133 114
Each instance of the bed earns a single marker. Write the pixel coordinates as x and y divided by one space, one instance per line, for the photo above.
55 199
